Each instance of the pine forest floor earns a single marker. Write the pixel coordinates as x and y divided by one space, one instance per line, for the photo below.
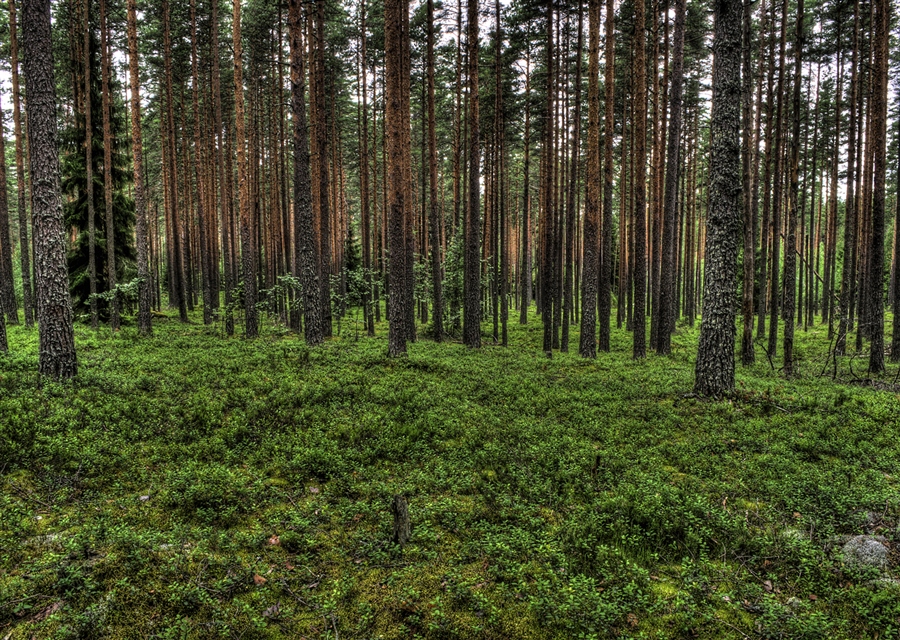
193 486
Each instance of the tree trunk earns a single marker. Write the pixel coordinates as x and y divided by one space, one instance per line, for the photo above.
790 250
306 245
8 304
396 204
25 246
748 355
774 290
140 202
248 255
606 250
433 219
589 280
714 373
472 266
879 151
666 313
107 174
639 306
54 307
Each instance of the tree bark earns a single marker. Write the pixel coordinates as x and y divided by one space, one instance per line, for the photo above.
248 255
306 245
54 307
25 246
606 250
433 219
790 250
591 246
140 202
472 266
879 151
714 374
666 312
396 197
8 303
107 174
639 318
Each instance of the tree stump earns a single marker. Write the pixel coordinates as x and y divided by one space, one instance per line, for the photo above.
400 509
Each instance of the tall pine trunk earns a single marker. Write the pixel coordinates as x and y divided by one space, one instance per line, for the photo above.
472 262
140 201
591 246
54 307
714 374
28 302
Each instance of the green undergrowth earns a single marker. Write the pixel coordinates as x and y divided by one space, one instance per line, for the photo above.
195 486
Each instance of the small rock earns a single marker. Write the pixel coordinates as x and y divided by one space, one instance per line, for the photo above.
866 552
144 498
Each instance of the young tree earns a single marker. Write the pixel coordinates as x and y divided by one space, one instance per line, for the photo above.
140 202
54 308
472 265
306 245
714 373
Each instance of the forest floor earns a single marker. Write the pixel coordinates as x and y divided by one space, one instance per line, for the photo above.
193 486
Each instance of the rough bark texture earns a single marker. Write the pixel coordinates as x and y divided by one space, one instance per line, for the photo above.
400 510
879 138
714 374
604 305
848 272
176 255
248 255
591 246
639 310
472 266
748 355
224 180
199 169
778 189
306 246
140 202
28 303
321 142
895 302
790 248
54 308
107 172
8 304
666 311
433 215
396 205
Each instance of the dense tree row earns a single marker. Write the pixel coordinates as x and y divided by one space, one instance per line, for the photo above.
442 164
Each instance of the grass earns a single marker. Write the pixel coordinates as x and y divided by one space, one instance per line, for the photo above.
193 486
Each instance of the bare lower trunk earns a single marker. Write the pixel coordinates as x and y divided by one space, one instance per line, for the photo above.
714 373
54 307
140 203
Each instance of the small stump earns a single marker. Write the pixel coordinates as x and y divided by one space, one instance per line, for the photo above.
400 509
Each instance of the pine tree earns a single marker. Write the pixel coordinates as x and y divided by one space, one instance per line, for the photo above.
714 374
54 308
